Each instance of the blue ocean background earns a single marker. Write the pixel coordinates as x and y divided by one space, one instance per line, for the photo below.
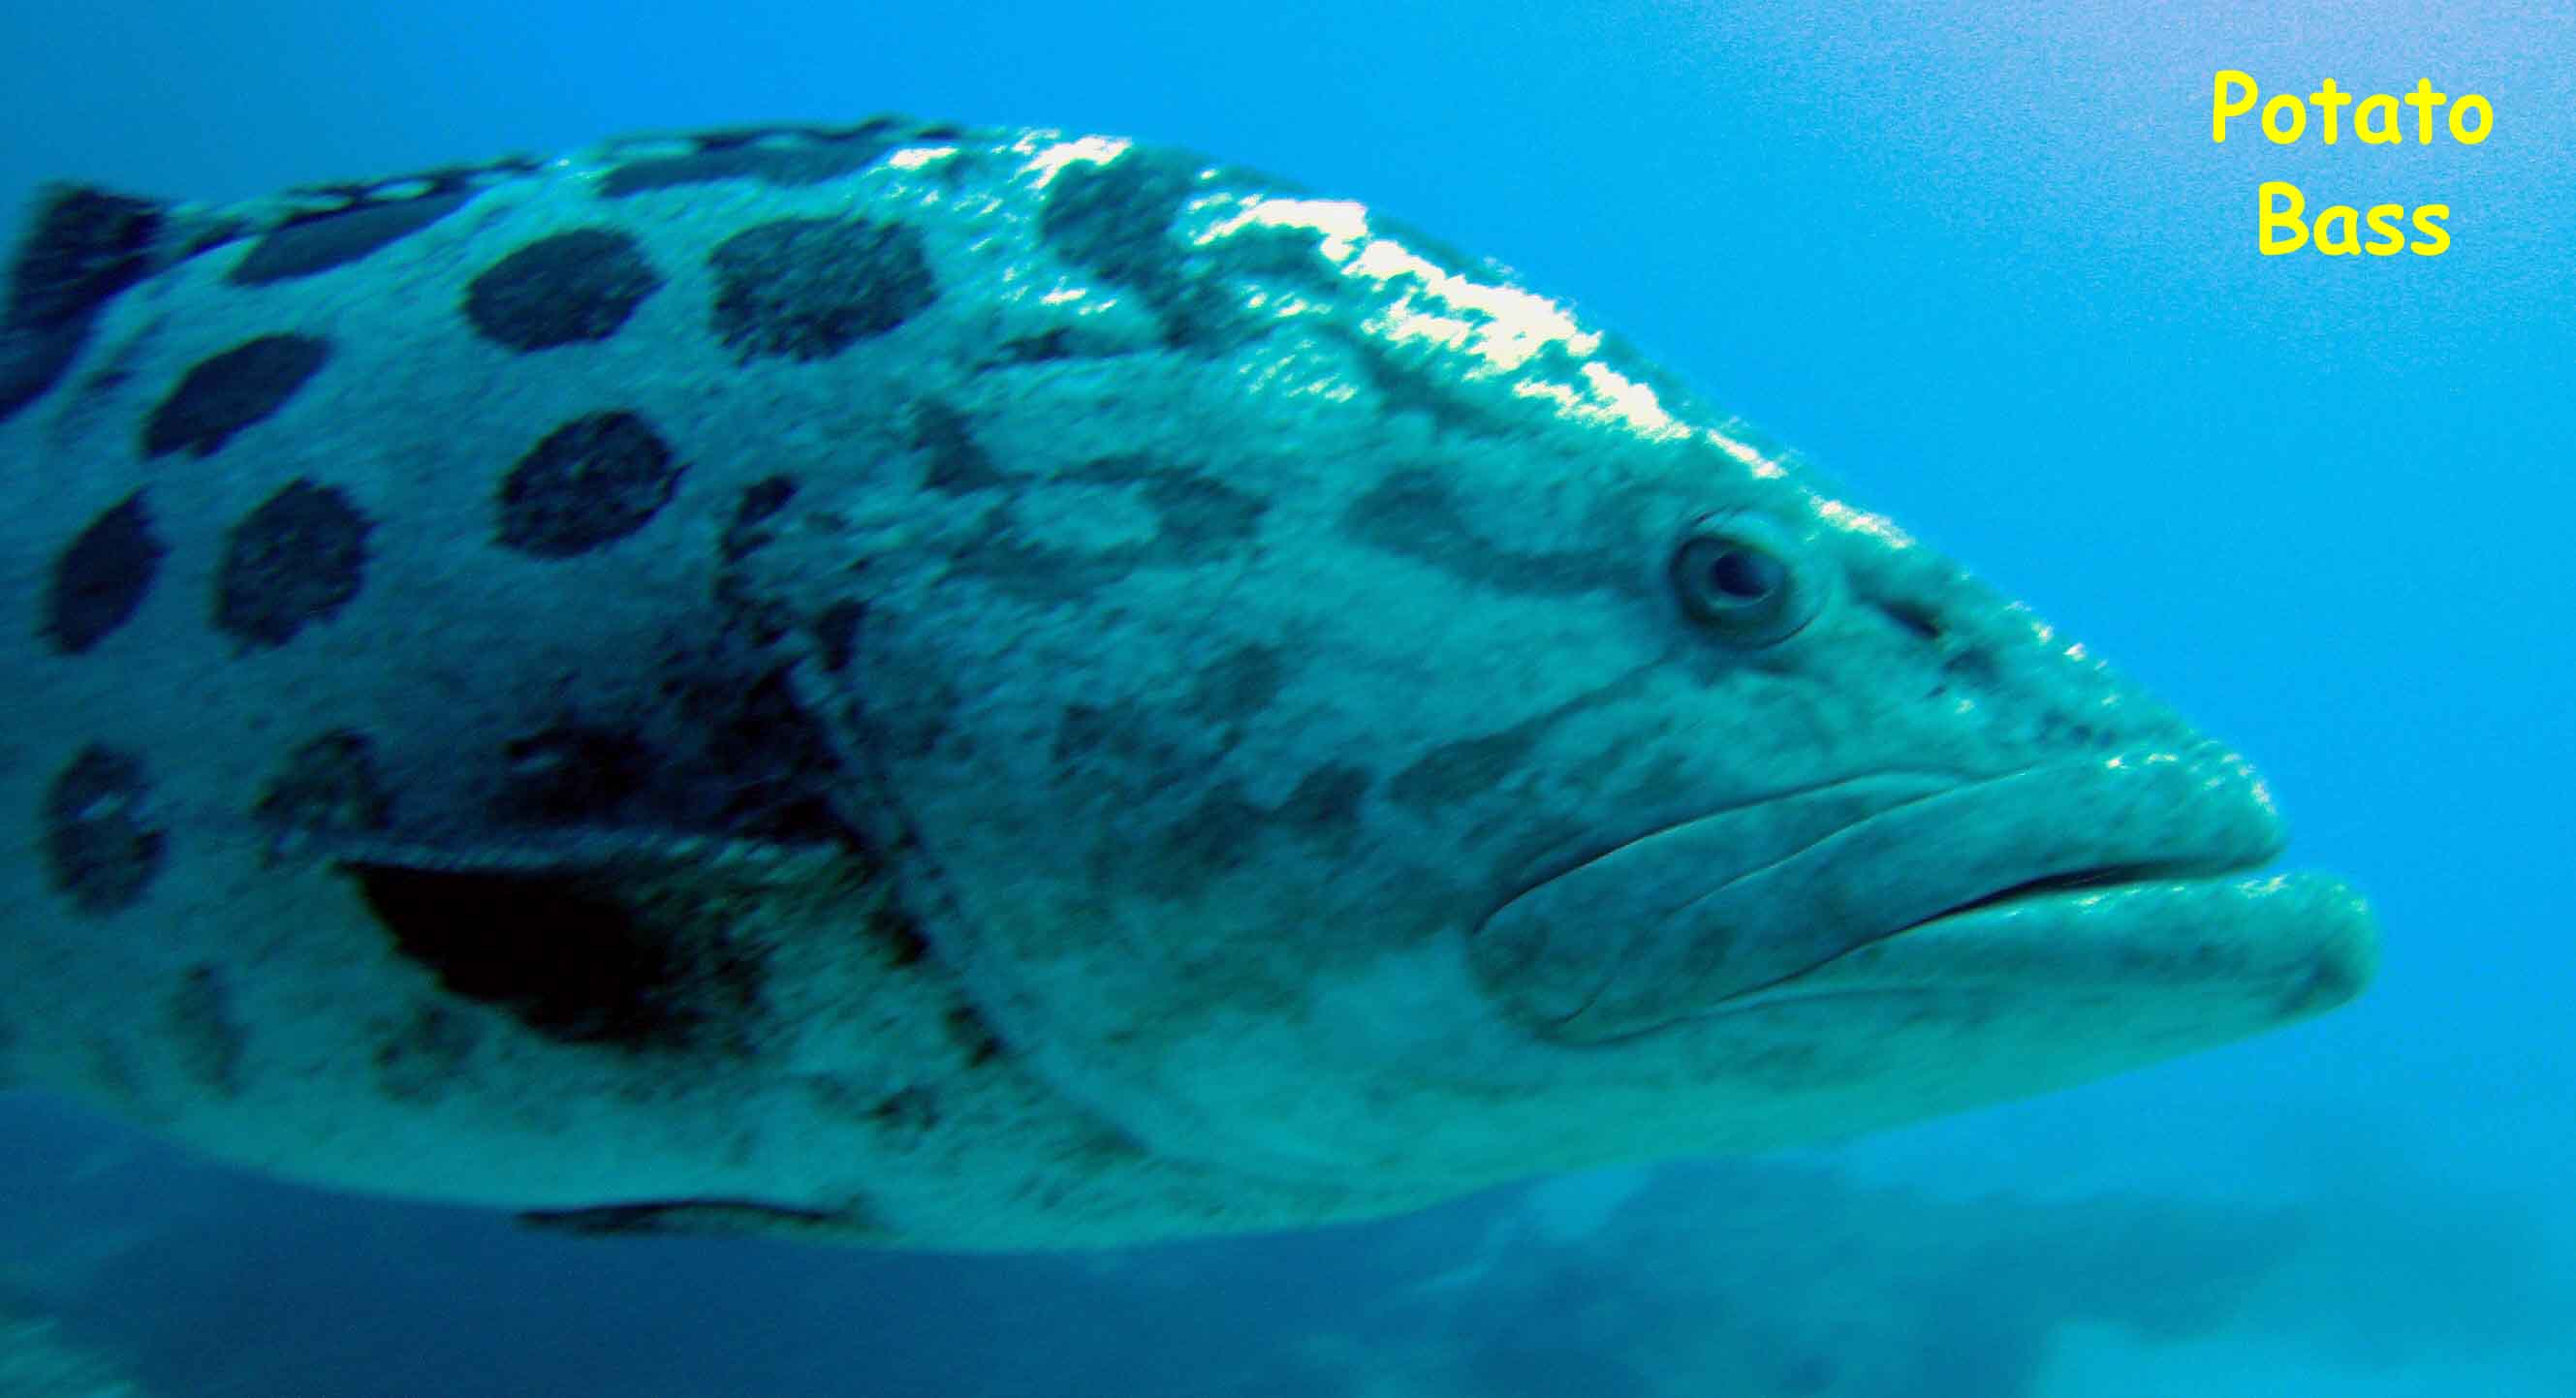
1980 260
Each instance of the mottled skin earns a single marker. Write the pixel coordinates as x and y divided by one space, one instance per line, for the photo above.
990 689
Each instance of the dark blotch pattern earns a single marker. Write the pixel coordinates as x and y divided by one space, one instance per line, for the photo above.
566 954
102 844
836 634
908 1112
296 560
894 929
1451 774
972 1034
1223 832
781 159
955 463
102 576
1238 684
590 482
207 1037
760 501
318 242
1326 800
85 247
1197 518
1216 837
759 619
329 785
422 1060
1116 220
777 765
1412 514
561 290
1454 772
809 288
230 391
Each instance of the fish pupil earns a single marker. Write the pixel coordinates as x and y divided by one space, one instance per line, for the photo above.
1741 575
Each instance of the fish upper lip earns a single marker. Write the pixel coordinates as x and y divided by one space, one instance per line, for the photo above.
1731 903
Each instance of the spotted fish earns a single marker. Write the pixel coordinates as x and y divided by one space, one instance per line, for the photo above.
991 689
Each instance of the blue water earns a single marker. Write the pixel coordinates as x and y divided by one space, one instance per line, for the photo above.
1983 262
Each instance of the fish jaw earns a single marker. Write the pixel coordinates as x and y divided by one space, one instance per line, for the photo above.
2101 875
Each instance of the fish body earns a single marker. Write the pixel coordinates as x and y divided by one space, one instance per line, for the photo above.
992 689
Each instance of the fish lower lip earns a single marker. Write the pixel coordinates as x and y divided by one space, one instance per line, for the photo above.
2287 944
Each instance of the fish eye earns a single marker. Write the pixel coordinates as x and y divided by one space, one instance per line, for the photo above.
1743 578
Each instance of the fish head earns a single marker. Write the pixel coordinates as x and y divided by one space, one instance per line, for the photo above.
1426 740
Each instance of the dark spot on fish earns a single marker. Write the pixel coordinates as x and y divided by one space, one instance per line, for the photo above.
1039 349
1199 514
1035 572
328 785
423 1060
776 763
836 634
296 560
561 290
1115 219
762 619
1453 772
1412 514
103 845
209 1040
85 247
907 1112
1238 684
102 576
779 157
1416 379
1326 800
1971 665
956 464
895 930
576 957
969 1031
1212 839
1913 618
809 288
572 772
588 483
228 392
1197 518
1120 732
318 242
758 503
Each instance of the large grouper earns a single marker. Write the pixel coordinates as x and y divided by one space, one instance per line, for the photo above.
986 688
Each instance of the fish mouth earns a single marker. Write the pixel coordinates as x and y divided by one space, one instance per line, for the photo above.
2109 874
